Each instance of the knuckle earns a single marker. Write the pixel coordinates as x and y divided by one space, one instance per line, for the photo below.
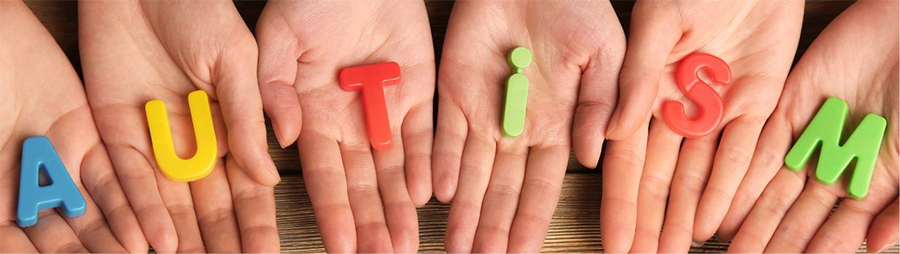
777 205
625 158
544 186
479 170
72 247
737 157
392 171
217 216
655 186
255 192
503 190
691 182
363 188
768 159
179 210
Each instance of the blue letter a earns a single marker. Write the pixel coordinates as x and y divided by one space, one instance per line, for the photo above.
38 154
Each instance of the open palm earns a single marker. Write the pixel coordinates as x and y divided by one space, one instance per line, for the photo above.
42 96
504 190
364 199
134 52
854 59
757 39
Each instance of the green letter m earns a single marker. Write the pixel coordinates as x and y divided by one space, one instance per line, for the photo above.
826 129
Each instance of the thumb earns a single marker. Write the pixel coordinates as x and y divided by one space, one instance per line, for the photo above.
884 232
278 53
596 99
653 35
235 79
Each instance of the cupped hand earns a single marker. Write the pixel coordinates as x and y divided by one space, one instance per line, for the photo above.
647 162
364 199
40 95
504 190
137 51
854 59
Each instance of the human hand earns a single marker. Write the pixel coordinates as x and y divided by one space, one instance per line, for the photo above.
504 190
854 59
363 199
758 40
42 96
134 52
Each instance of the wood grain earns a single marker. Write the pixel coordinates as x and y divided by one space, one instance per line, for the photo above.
575 226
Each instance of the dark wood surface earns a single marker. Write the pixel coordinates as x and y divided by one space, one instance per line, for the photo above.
575 226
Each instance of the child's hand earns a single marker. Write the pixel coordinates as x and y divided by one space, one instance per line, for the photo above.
40 95
134 52
854 59
758 40
363 199
504 190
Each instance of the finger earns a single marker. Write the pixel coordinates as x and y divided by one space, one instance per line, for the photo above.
238 92
92 230
621 179
372 235
323 174
883 233
501 199
540 193
180 204
449 141
401 217
653 35
772 206
595 105
803 219
277 70
474 175
418 132
103 186
691 174
768 159
14 240
662 154
215 211
254 205
138 180
53 234
846 230
731 162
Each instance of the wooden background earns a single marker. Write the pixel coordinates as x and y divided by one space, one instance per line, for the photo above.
575 226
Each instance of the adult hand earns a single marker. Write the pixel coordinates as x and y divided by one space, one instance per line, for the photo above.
137 51
504 190
758 40
854 59
363 199
40 95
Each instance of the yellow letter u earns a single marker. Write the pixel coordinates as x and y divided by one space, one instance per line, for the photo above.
172 166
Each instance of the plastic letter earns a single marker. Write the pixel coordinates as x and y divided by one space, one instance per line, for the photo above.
38 154
709 104
371 79
826 129
172 166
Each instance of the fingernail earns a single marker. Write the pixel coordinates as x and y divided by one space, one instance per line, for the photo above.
612 128
277 131
886 246
274 171
697 244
